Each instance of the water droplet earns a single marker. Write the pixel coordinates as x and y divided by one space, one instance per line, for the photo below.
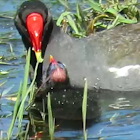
119 86
85 79
98 79
96 84
58 102
73 85
65 90
67 102
64 96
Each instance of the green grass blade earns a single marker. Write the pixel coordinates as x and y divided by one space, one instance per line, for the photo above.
61 17
26 73
95 6
33 81
1 84
127 21
115 22
15 112
112 11
50 118
84 109
4 63
90 27
72 24
79 12
3 72
24 89
4 93
30 87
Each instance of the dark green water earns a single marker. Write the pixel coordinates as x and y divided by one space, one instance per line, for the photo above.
120 118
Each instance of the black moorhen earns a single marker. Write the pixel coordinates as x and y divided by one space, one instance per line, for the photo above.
36 27
108 59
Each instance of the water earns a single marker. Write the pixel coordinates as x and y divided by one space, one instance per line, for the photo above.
120 118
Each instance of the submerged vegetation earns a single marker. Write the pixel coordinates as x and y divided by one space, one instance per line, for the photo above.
95 16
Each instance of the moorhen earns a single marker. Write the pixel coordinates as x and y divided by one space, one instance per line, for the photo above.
36 27
108 59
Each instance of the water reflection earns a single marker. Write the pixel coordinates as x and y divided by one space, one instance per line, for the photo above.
120 119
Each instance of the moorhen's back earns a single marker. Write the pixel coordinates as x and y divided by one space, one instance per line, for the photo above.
109 59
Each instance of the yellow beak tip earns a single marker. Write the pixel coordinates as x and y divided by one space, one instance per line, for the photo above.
38 57
51 58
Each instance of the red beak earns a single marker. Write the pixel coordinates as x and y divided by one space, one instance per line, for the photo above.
34 24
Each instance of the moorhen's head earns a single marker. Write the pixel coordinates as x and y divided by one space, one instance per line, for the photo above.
57 73
57 78
34 23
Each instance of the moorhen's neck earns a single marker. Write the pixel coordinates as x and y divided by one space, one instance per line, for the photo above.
46 36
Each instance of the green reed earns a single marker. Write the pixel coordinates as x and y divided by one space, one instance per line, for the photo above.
84 109
51 120
22 95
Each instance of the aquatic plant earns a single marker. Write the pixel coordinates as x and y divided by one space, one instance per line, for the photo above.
22 95
97 16
51 121
84 109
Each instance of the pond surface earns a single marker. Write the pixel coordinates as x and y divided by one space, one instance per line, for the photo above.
120 118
